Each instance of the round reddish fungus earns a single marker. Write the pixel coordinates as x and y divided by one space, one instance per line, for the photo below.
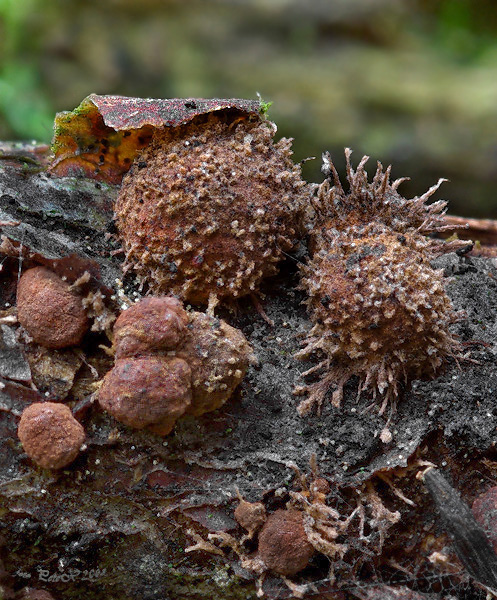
485 511
283 544
50 435
209 208
52 314
151 324
150 391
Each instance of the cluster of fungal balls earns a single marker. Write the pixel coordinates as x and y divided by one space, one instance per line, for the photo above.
209 208
169 363
205 213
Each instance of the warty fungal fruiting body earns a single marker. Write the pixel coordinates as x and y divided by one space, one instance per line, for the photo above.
379 309
209 208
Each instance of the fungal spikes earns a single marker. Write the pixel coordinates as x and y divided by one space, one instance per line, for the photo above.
379 309
376 201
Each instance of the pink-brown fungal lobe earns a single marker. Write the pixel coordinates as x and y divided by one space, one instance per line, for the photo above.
150 325
218 355
147 391
283 544
51 313
50 435
250 515
209 208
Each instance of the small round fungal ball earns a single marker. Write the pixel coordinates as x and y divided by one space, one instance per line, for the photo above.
283 544
152 391
50 435
218 355
209 208
149 325
485 512
52 314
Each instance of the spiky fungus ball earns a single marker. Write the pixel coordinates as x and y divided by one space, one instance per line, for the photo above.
380 311
209 208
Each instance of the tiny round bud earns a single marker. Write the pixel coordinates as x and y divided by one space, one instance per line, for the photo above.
50 435
251 516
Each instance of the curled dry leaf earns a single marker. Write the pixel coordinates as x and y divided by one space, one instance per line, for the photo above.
100 138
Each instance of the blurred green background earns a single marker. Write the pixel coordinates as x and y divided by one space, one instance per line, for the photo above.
409 82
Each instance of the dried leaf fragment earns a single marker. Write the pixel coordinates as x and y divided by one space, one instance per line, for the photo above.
100 138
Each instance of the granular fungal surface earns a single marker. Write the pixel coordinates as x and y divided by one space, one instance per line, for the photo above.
208 209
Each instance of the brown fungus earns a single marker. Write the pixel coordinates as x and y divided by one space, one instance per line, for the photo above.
380 310
283 544
49 310
169 363
209 208
50 435
152 324
218 355
250 515
150 391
